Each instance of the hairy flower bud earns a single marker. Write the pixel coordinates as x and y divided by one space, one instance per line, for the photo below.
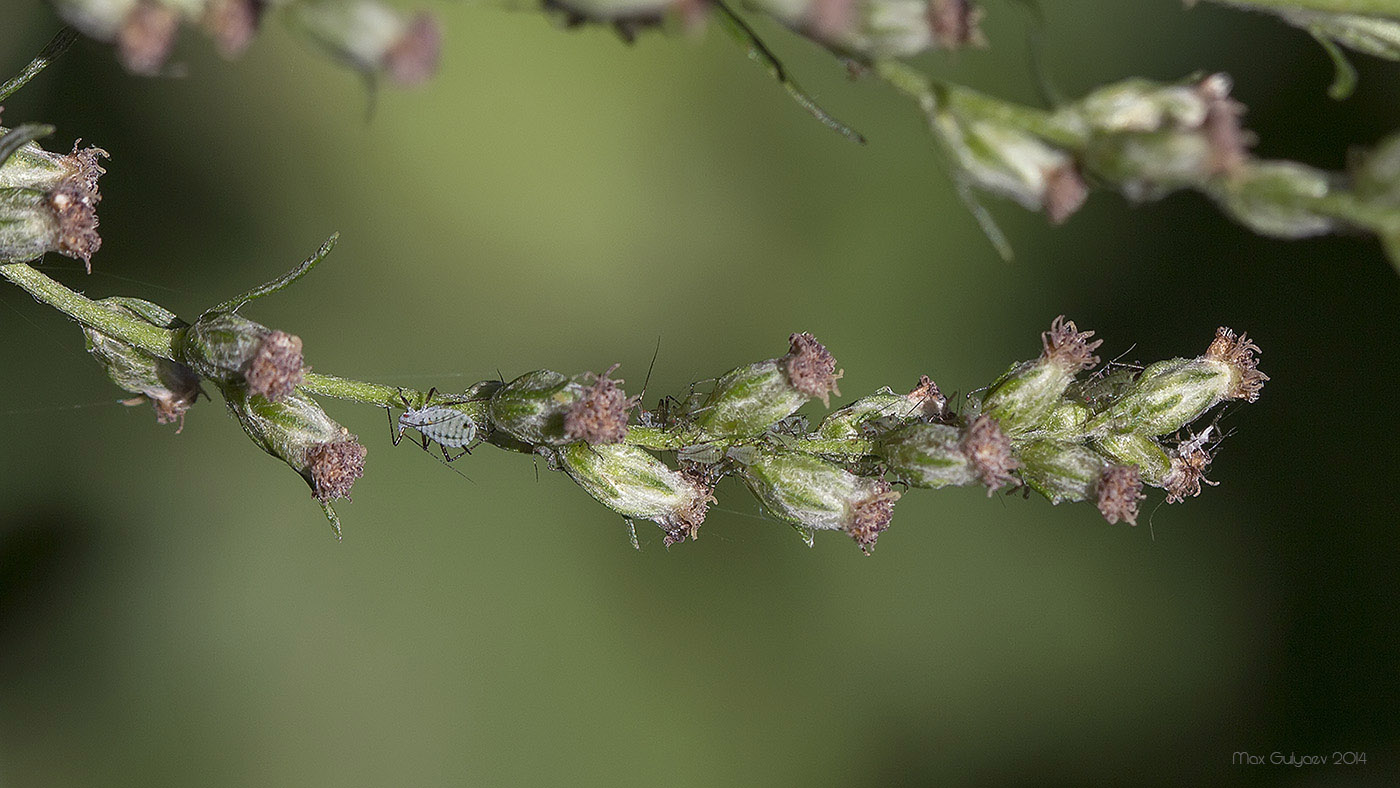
633 483
228 348
534 408
1171 394
48 203
942 455
171 387
1008 161
1153 138
1023 398
1138 451
297 431
814 494
750 399
1061 471
1263 198
375 38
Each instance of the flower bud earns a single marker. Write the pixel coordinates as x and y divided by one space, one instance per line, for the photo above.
815 494
884 411
1138 451
376 39
633 483
229 348
534 406
873 29
1169 395
941 455
1061 471
750 399
1023 398
1376 174
171 387
1153 138
297 431
1071 472
1264 199
1013 163
48 203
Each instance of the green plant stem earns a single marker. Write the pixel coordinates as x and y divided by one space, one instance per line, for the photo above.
1385 8
931 94
160 342
152 339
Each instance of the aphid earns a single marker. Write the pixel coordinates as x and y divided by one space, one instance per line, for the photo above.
448 427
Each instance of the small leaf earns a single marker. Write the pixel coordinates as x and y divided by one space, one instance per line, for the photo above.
1344 81
280 283
334 518
20 136
745 36
50 53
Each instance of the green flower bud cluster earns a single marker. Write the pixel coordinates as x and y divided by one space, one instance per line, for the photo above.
1041 425
371 36
48 201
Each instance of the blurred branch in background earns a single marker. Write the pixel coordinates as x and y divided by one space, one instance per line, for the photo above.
1137 137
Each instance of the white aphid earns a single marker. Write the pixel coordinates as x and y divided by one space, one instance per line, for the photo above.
446 426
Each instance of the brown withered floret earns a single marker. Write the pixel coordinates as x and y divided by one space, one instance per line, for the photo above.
1120 489
334 467
277 368
1188 471
932 405
1228 139
600 415
1239 353
686 521
413 59
233 23
810 368
74 205
955 23
1069 347
988 449
147 36
871 515
1065 192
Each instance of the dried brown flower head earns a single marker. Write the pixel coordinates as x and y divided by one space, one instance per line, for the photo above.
811 368
1120 489
277 368
686 520
988 449
1239 354
334 467
600 415
871 515
1065 345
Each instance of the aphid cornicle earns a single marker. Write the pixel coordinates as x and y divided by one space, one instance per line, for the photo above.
448 427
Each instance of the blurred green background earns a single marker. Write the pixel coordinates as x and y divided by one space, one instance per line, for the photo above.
174 610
